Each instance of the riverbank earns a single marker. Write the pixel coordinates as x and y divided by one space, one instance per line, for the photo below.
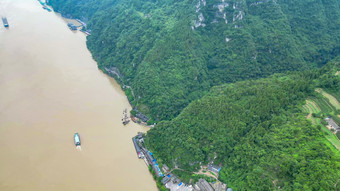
163 176
50 89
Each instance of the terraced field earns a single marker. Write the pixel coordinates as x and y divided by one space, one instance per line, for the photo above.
330 97
324 106
311 107
331 137
336 95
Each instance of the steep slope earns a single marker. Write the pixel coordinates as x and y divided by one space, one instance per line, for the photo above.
171 53
257 132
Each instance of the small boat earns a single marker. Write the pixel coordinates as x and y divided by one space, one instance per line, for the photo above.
76 139
42 3
4 20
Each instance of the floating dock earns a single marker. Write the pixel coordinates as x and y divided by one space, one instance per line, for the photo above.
86 32
138 149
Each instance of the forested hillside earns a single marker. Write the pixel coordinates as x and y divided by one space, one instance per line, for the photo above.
197 64
172 52
257 132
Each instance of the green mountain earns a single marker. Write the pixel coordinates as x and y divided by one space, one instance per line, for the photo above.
257 131
169 53
206 68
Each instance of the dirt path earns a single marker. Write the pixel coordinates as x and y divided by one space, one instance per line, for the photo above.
207 173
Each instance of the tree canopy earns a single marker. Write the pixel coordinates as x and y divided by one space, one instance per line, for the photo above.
257 132
172 52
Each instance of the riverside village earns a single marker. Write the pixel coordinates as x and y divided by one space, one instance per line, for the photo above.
172 182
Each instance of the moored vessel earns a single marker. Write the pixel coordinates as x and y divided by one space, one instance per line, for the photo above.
4 20
72 26
125 118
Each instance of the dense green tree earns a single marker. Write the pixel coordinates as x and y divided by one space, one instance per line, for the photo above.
170 58
257 132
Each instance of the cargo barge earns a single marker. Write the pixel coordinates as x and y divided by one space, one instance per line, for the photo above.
138 150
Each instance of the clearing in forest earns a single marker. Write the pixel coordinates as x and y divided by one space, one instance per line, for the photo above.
310 108
313 107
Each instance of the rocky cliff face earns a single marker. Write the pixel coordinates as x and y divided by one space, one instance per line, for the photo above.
222 12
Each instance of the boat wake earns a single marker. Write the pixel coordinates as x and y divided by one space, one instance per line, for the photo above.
78 148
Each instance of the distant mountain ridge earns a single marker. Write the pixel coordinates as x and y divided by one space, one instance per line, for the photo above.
171 52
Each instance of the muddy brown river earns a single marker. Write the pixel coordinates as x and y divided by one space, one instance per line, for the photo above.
50 88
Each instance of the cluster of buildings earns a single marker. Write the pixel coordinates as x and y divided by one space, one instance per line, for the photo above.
215 169
169 180
146 155
174 184
332 125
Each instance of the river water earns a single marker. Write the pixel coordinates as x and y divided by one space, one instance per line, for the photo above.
50 88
